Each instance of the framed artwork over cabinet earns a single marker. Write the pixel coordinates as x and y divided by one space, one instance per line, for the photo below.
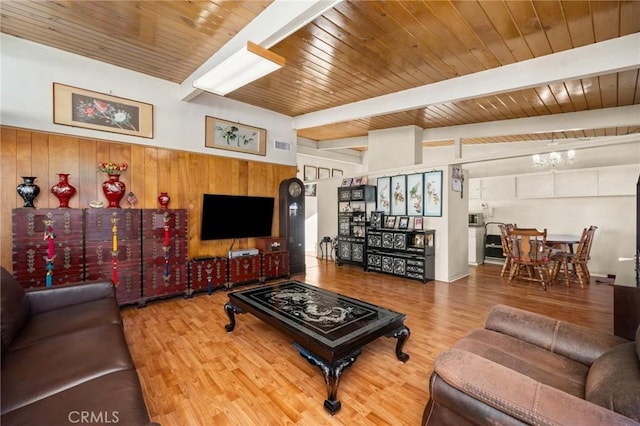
433 193
399 195
310 173
324 173
383 202
415 194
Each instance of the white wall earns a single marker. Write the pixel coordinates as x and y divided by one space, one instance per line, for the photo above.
28 71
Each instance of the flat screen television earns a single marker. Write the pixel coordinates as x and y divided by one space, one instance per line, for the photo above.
236 216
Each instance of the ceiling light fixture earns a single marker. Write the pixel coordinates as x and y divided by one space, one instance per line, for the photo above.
247 65
553 159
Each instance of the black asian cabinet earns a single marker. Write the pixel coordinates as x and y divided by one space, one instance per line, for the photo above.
355 204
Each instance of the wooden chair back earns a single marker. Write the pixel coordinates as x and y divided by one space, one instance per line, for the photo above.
505 237
529 246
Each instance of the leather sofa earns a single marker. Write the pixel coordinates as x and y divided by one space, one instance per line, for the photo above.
525 368
65 359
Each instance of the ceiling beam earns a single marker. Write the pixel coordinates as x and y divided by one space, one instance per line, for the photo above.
615 55
581 120
279 20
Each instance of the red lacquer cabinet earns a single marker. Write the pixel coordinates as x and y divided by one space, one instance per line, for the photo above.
165 252
113 250
31 250
244 269
207 274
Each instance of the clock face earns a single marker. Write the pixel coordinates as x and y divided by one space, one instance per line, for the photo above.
295 189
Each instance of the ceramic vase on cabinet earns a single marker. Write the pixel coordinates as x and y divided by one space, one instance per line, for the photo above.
164 199
114 190
63 190
28 190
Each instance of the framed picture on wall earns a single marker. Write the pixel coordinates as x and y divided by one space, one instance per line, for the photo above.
310 189
223 134
399 195
310 173
77 107
336 172
324 173
433 193
383 203
415 194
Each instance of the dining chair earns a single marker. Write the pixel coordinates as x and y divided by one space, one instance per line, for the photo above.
576 261
530 253
505 238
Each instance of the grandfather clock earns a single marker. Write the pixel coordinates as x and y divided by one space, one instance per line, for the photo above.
292 222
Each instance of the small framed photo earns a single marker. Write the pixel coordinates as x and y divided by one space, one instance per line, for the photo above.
357 181
336 172
324 173
418 240
310 173
376 219
390 222
346 182
404 222
310 189
417 223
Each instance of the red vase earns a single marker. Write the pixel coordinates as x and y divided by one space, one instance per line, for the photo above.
114 190
164 199
63 190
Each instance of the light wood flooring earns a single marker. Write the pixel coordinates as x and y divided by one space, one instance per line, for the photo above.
195 373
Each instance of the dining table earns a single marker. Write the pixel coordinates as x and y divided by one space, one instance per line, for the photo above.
563 241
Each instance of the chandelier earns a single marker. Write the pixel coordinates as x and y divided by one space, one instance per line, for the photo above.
553 159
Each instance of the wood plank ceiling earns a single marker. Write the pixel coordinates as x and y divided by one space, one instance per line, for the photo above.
355 51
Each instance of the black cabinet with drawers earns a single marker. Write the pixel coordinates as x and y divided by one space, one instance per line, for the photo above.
355 204
406 253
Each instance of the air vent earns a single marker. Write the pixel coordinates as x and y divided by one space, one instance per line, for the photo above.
283 146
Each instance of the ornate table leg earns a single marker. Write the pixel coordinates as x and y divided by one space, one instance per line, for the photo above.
331 373
402 334
231 309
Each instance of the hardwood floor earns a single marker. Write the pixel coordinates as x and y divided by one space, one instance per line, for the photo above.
195 373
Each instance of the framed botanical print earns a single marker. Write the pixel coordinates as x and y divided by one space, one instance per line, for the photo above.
223 134
383 203
399 195
415 194
433 193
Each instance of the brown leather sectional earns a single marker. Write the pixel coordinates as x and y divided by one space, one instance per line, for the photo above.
65 359
525 368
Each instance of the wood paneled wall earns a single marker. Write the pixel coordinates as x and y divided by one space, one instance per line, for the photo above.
184 175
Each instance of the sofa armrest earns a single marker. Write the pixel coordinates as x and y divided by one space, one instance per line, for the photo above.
578 343
50 298
515 394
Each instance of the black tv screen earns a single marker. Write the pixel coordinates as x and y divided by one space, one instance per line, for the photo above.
236 216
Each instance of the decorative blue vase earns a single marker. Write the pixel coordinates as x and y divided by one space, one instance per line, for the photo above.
28 190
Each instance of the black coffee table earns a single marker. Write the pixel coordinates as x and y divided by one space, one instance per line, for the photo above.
329 329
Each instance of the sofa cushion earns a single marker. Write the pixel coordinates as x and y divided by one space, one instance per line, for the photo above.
61 362
68 319
531 360
14 308
614 381
115 398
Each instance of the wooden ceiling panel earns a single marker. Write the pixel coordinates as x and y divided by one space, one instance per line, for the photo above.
355 51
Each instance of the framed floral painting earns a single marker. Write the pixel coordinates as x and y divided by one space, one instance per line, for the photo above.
433 193
399 195
77 107
232 136
383 203
415 194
